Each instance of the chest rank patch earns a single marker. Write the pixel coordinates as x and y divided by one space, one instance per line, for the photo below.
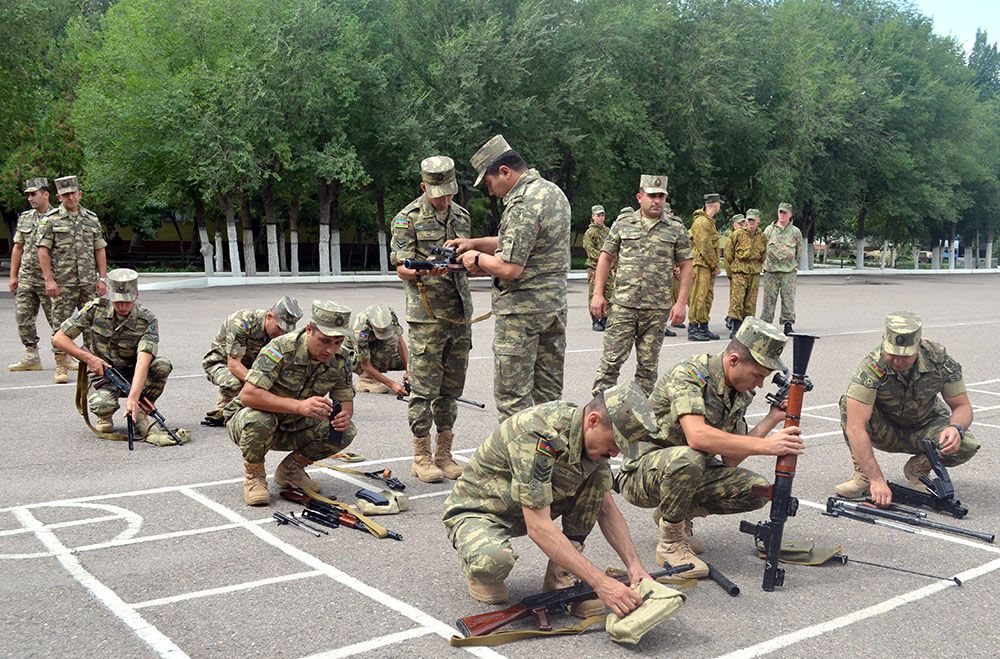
272 353
699 378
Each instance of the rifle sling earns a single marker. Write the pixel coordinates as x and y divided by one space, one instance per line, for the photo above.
373 527
499 638
430 311
81 406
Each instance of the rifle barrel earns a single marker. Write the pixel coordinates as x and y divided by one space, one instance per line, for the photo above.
916 521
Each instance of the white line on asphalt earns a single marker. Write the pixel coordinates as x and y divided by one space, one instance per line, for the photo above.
46 386
813 631
413 613
983 391
62 525
373 644
988 425
149 634
824 418
223 590
428 495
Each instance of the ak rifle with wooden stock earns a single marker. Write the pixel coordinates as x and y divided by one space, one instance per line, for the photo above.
783 504
118 381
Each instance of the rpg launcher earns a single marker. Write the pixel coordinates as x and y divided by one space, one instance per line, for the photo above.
780 379
446 258
783 504
940 493
117 380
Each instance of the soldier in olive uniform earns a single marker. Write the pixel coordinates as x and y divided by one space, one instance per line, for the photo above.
748 249
529 262
235 348
26 283
122 333
549 461
438 309
379 348
739 221
781 264
892 404
700 407
72 259
283 405
705 268
644 246
593 241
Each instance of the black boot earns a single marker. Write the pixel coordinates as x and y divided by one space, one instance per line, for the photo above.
729 322
709 333
737 324
695 333
595 324
678 325
788 329
668 332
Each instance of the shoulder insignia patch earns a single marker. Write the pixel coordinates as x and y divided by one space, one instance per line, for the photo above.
272 353
696 374
244 325
401 222
88 305
363 334
876 369
544 446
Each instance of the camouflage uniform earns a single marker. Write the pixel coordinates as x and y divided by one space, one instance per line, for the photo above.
285 369
780 268
30 284
705 252
593 241
383 353
665 473
645 252
748 257
241 336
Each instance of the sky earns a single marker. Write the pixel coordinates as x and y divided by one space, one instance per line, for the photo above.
960 18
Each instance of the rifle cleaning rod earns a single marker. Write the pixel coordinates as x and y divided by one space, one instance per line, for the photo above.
846 560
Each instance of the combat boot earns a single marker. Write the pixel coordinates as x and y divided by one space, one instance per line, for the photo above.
674 549
142 423
31 361
856 486
371 386
442 455
695 333
255 485
104 424
789 329
668 332
557 577
915 467
488 593
291 473
697 544
62 375
737 324
423 463
214 417
595 324
709 333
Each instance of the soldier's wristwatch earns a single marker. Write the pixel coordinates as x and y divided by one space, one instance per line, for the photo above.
960 429
476 260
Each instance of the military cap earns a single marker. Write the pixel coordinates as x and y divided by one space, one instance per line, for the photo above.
331 318
712 198
626 209
287 313
36 184
383 321
764 342
596 209
785 206
902 334
488 154
738 219
753 214
653 183
123 285
630 413
438 173
67 184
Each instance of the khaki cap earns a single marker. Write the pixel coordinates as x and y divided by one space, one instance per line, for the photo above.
67 184
764 342
287 313
36 184
123 285
383 321
331 318
785 206
488 154
712 198
438 173
630 413
738 219
596 209
653 183
902 334
753 214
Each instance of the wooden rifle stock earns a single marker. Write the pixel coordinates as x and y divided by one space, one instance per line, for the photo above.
486 623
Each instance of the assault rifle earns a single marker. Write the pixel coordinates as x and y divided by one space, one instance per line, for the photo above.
328 515
837 507
542 605
117 380
467 401
940 493
446 258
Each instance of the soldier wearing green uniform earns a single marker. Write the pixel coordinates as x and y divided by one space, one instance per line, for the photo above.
237 344
72 259
644 246
739 221
593 241
529 262
700 407
438 312
892 404
122 333
283 405
545 462
748 249
781 264
26 283
705 268
379 348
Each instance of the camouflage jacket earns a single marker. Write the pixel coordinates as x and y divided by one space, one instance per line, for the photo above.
369 348
241 336
908 399
116 340
534 233
783 248
704 240
415 230
72 239
646 252
593 241
534 459
28 233
747 252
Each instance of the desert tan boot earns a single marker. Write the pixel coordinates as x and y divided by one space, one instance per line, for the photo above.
31 361
255 485
291 473
697 544
423 464
488 593
104 424
856 486
366 384
674 549
62 374
915 467
443 459
557 577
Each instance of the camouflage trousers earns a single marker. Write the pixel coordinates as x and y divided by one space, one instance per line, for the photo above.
642 328
257 432
743 295
892 438
439 360
528 354
385 357
26 304
774 284
70 299
219 374
609 288
679 480
702 294
103 401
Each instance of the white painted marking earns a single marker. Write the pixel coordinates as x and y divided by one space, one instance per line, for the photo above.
53 385
824 418
146 632
443 493
62 525
173 534
223 590
988 425
133 524
983 391
372 644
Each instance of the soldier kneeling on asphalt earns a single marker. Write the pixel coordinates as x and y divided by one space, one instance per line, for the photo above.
380 348
700 407
283 405
549 461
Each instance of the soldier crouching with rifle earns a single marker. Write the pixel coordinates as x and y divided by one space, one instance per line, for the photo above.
283 405
700 406
549 461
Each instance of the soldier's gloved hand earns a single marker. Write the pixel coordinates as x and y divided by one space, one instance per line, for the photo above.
617 596
316 407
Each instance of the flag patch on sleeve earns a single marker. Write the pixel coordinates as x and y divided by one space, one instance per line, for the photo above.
272 353
876 369
401 222
696 374
544 446
243 324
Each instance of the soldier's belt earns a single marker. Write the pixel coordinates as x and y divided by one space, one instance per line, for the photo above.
430 311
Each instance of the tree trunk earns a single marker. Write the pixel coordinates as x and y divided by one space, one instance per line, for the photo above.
335 263
936 257
859 235
249 253
207 250
271 222
282 251
989 249
229 210
177 230
884 253
916 256
325 193
383 254
293 232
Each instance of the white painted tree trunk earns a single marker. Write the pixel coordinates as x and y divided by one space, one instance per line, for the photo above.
989 254
805 255
324 250
207 251
859 263
282 251
383 253
953 255
335 252
248 251
234 248
293 245
916 257
273 269
936 257
220 264
882 254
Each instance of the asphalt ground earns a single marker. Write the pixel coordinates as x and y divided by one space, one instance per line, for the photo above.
104 552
